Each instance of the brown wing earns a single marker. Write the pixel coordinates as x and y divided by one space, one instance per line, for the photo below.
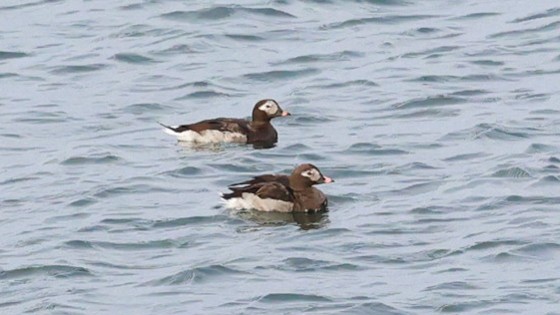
275 190
222 124
282 179
264 186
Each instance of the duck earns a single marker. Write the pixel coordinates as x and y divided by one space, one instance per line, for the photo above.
283 193
233 130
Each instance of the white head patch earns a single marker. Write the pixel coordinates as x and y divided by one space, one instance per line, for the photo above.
270 107
312 174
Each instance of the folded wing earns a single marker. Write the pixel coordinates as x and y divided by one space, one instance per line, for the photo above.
264 186
219 124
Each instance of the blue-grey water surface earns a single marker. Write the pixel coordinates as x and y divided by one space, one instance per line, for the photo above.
438 119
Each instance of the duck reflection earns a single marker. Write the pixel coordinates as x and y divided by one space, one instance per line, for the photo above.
305 220
264 145
215 147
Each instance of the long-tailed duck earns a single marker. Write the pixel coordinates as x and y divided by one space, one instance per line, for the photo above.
258 130
280 192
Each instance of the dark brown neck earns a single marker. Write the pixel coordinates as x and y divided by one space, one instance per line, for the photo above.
299 187
260 120
260 123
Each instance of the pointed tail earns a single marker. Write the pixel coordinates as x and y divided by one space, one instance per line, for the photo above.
170 130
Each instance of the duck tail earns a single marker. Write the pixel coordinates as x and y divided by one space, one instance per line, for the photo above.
170 130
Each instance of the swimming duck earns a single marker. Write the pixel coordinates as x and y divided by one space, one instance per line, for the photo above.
220 130
284 193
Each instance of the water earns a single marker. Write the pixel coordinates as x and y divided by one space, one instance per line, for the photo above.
438 120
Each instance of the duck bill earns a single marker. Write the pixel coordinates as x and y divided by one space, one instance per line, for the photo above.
327 180
281 113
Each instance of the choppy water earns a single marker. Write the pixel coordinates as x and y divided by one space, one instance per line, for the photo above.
438 119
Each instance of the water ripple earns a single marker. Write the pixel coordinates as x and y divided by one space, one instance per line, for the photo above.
133 58
218 13
548 27
373 149
277 75
292 297
56 271
338 56
195 221
81 244
80 160
438 122
546 14
197 275
514 172
69 69
392 19
12 54
438 100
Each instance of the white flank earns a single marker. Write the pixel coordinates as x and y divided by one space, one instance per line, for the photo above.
170 132
207 136
252 201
